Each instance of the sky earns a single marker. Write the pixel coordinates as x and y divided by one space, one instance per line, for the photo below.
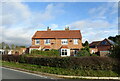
20 20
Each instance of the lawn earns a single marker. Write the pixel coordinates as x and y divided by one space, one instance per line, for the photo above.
61 71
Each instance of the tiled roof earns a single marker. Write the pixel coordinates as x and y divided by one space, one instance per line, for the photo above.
34 46
110 41
58 34
95 43
47 47
64 47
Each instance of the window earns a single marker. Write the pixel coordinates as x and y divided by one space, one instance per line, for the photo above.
37 41
104 42
75 51
47 41
75 41
64 41
46 49
63 51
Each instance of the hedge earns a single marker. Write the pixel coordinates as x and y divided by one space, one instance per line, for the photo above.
84 63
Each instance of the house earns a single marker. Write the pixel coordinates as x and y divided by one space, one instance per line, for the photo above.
101 48
68 42
19 51
2 51
13 52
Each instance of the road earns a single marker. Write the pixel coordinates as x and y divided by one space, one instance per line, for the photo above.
15 75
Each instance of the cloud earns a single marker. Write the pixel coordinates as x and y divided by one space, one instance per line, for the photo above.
95 29
98 26
104 10
19 23
53 26
14 12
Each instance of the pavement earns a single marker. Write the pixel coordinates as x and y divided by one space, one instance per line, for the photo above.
16 75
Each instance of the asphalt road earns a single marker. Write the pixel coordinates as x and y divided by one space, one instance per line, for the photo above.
15 75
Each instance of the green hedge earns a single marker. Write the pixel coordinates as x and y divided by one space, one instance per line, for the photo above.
84 63
39 53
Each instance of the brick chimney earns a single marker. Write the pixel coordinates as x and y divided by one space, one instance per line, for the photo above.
66 28
48 29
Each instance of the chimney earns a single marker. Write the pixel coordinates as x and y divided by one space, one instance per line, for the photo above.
48 29
66 28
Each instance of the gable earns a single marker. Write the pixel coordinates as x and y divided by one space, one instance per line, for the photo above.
105 42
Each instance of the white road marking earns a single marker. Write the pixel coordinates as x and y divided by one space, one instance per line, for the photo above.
27 73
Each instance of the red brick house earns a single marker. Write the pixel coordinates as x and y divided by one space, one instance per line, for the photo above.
68 42
101 47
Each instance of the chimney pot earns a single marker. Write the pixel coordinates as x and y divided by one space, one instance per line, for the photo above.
48 29
66 28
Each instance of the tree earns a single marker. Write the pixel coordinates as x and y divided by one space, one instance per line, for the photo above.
115 52
115 39
7 47
17 47
0 45
22 46
86 46
86 43
12 46
3 45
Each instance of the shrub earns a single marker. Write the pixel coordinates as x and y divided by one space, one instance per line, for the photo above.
84 63
83 53
115 52
44 53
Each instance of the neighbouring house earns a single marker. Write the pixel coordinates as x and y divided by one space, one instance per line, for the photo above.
19 51
2 52
68 42
13 52
101 48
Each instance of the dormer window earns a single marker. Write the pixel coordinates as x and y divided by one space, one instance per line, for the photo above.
37 41
47 41
64 41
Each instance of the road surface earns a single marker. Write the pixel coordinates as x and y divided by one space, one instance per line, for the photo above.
15 75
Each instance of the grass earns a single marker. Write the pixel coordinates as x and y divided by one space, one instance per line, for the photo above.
61 71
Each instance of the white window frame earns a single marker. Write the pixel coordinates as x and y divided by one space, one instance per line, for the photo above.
64 41
75 41
36 40
46 41
64 51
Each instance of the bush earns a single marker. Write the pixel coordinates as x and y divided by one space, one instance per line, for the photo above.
115 52
44 53
83 63
83 53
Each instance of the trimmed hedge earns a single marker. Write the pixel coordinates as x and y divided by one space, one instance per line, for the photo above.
38 53
84 63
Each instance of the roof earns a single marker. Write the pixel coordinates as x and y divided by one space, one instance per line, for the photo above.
47 47
95 43
64 47
58 34
34 46
111 42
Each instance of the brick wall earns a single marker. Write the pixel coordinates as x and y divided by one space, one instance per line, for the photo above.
56 43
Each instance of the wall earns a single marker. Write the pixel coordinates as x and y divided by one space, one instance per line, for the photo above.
56 44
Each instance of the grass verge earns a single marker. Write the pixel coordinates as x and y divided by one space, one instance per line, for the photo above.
61 71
